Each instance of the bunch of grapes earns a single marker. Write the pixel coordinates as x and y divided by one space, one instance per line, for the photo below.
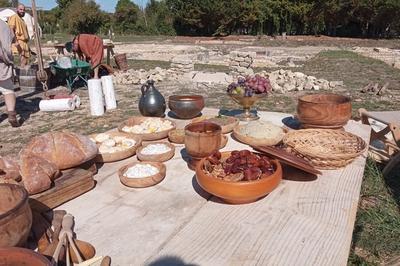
259 84
247 87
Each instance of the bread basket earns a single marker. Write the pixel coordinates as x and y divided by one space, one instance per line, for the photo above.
325 148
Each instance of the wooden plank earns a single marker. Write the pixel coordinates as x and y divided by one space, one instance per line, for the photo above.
300 223
71 184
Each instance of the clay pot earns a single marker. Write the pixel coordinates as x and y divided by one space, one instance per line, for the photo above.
15 215
21 256
238 192
324 110
186 106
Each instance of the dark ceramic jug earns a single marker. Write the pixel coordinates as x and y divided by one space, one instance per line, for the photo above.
152 103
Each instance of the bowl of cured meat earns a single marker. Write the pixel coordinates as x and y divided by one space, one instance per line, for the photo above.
238 177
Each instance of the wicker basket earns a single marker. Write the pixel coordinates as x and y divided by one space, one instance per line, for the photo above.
325 148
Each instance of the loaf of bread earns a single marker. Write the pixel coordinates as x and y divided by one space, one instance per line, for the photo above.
37 173
45 155
9 168
65 150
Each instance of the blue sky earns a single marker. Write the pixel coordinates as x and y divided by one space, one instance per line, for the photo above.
106 5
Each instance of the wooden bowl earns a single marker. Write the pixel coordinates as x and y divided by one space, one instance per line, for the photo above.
324 110
224 141
136 120
238 192
270 141
177 136
119 155
15 215
145 181
22 256
186 106
227 123
202 139
156 157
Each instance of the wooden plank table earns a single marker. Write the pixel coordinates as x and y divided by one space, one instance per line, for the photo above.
299 223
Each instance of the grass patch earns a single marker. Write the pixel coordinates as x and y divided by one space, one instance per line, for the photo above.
211 68
377 228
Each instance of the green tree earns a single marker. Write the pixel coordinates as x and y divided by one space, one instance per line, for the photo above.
125 16
63 3
83 16
5 3
160 19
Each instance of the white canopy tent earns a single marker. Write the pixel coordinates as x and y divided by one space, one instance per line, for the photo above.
5 13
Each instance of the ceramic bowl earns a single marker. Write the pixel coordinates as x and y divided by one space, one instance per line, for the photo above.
324 110
238 192
15 215
144 181
186 106
156 157
137 120
22 256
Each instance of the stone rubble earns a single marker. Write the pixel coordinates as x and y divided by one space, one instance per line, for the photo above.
240 63
181 65
283 81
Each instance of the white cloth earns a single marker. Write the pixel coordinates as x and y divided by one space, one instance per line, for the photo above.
6 58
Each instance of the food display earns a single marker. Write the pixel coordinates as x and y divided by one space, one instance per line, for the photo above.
110 144
45 155
140 171
147 128
158 148
142 174
177 136
114 146
249 86
239 166
150 125
239 176
156 152
259 133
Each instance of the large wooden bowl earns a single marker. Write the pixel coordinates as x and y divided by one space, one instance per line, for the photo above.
145 181
15 215
21 256
156 157
267 141
324 110
238 192
136 120
119 155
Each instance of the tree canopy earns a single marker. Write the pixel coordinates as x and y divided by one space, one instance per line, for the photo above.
367 18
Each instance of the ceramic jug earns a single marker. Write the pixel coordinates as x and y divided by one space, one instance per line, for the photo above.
151 103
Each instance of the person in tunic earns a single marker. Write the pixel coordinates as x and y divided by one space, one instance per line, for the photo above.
18 26
88 47
6 72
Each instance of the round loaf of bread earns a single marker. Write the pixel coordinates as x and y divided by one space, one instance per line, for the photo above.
64 149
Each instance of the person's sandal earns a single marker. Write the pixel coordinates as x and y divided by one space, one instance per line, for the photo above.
12 119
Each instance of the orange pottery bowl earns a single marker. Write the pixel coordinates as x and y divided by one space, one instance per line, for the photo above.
22 256
324 110
238 192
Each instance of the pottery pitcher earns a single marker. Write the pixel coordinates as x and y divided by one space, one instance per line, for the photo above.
151 103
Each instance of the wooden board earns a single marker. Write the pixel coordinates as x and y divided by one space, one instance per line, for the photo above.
71 184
